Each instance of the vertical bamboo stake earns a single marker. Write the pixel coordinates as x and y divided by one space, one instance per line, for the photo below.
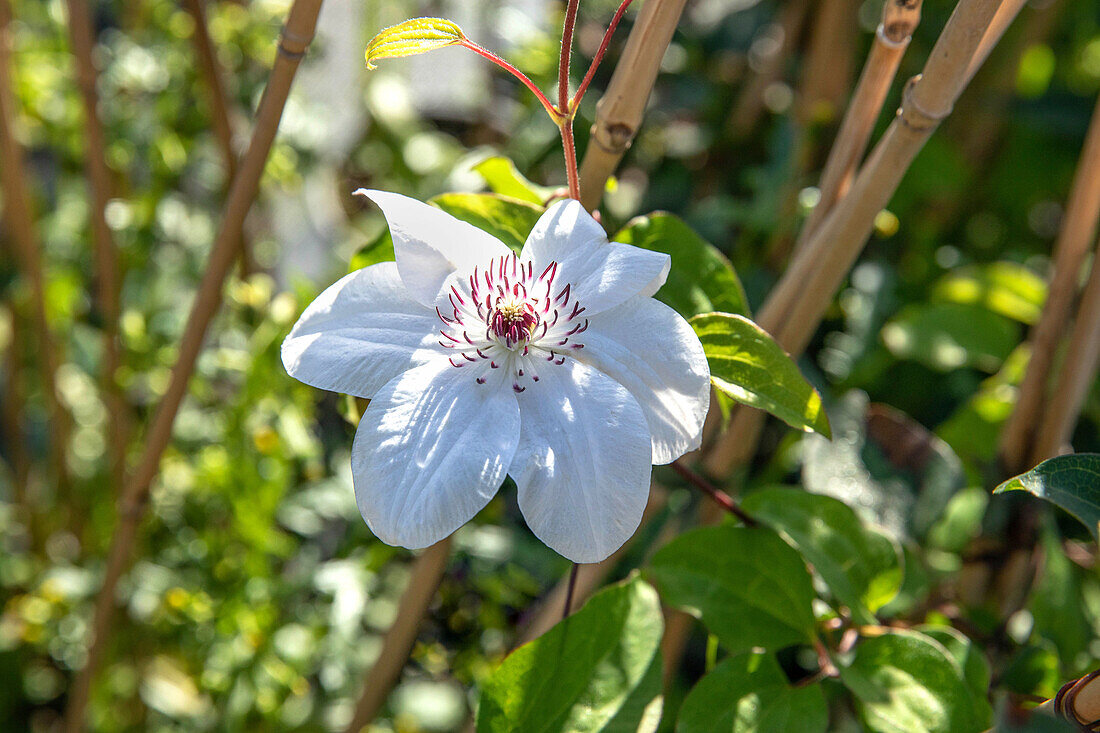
296 36
14 403
214 75
620 110
827 71
797 303
19 217
1006 13
426 575
782 37
1078 230
1075 377
82 35
899 19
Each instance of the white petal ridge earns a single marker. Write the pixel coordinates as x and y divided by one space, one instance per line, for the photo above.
360 333
582 466
430 452
653 352
430 244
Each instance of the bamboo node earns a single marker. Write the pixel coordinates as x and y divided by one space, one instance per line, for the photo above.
613 138
1065 702
913 115
887 36
293 45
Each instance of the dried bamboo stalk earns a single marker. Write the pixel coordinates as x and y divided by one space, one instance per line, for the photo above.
620 110
1006 13
827 71
296 36
794 308
14 405
214 76
426 575
781 37
27 249
899 20
82 37
1074 378
1078 230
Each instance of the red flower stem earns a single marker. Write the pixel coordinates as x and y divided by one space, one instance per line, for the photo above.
570 147
485 53
573 104
718 496
566 49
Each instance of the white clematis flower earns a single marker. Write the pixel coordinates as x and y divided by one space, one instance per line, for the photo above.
555 366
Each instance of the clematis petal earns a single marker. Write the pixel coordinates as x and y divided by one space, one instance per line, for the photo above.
360 333
602 274
652 351
430 244
583 462
430 452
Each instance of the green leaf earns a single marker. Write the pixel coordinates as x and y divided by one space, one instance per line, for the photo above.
1006 288
505 179
1034 670
748 693
379 249
1071 482
946 336
598 670
701 280
750 367
509 220
975 666
747 585
418 35
907 682
860 566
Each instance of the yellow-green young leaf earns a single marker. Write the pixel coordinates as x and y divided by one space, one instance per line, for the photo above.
509 220
418 35
505 179
749 366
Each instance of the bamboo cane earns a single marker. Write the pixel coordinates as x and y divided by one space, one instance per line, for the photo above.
1078 230
82 36
14 404
899 20
619 112
27 248
296 36
426 575
1074 378
827 71
214 75
798 302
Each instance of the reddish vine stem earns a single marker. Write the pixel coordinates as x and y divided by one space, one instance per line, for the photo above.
568 609
598 58
718 496
566 51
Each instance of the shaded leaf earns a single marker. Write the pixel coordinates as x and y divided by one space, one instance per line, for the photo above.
906 682
598 670
749 366
946 336
701 280
412 37
860 566
974 665
748 693
509 220
1071 482
748 586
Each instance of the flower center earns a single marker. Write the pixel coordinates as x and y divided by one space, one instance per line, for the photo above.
505 317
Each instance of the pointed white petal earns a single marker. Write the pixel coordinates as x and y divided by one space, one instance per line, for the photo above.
360 333
652 351
602 274
583 462
430 244
430 452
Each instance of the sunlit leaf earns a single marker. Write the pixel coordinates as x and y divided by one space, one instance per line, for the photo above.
412 37
746 584
748 693
505 179
946 336
860 566
749 366
1071 482
598 670
509 220
1006 288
